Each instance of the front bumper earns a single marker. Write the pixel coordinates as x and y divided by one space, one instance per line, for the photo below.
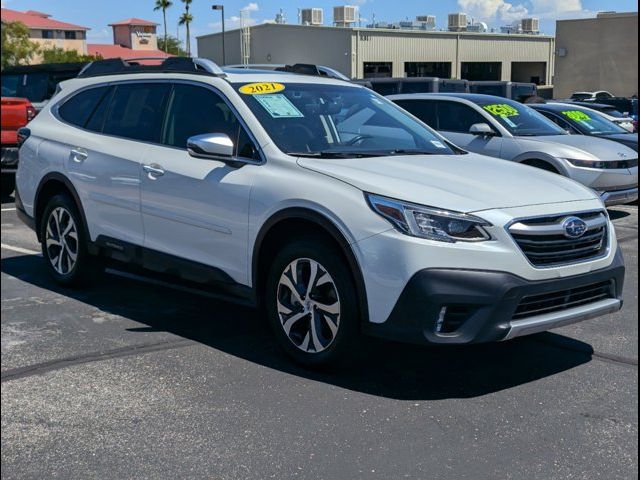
486 303
619 197
9 159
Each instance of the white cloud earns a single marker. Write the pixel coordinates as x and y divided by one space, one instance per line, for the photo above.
252 7
505 11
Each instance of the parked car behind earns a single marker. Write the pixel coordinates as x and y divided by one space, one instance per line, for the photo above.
393 86
611 113
585 121
506 129
37 83
588 96
319 200
16 113
518 91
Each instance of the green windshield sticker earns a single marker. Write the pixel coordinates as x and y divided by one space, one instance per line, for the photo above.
502 110
577 115
278 106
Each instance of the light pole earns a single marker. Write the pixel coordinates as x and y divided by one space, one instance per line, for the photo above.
221 8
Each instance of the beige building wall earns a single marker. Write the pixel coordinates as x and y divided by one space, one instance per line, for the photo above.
59 41
136 37
346 49
597 54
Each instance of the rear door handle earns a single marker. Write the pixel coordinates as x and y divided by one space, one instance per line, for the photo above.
154 170
78 155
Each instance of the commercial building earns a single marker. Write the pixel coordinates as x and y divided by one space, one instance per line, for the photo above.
49 33
597 54
369 52
132 38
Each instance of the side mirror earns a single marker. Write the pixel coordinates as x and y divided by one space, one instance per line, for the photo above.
211 146
482 129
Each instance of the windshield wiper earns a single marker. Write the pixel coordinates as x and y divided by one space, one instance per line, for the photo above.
411 152
335 154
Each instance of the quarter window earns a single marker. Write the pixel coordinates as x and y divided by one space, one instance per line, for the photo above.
457 117
78 109
136 111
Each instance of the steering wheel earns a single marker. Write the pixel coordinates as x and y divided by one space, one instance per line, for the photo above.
356 139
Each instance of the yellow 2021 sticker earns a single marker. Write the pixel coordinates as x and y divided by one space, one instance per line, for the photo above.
261 88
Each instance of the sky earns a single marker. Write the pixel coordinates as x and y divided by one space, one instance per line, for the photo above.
97 14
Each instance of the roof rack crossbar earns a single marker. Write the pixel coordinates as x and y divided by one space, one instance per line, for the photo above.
118 66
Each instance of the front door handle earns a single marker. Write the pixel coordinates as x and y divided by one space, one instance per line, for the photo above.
154 170
78 155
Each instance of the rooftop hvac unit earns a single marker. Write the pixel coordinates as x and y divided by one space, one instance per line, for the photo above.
311 16
345 16
457 22
428 21
531 25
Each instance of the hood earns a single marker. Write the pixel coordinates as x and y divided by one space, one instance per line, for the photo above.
581 147
628 139
463 183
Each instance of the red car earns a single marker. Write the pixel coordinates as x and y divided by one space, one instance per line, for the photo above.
16 113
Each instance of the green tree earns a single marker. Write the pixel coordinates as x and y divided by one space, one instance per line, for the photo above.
164 5
16 47
60 55
173 46
185 19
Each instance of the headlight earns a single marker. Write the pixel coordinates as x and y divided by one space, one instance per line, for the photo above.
426 222
598 164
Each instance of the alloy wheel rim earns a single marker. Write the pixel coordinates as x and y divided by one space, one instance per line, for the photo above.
308 305
61 241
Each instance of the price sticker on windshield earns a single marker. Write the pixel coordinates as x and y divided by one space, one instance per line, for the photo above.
577 115
501 110
262 88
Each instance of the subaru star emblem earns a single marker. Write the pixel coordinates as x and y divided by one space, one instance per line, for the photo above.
574 227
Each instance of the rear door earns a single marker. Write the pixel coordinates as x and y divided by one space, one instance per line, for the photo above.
193 208
104 154
455 119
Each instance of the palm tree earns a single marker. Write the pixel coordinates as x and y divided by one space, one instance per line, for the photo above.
163 5
185 19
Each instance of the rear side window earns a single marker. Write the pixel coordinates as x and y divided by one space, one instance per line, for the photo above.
425 110
79 108
457 117
137 110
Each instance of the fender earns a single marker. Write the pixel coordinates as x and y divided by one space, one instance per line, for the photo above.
322 221
550 159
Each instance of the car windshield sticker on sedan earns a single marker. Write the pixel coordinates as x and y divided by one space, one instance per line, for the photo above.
581 117
503 110
279 106
261 88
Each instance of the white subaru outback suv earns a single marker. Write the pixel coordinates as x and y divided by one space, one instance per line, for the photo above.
317 199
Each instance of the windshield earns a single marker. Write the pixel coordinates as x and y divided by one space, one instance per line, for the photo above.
590 123
520 120
33 86
581 96
337 121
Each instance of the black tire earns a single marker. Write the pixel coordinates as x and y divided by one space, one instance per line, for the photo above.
86 267
542 165
8 185
339 287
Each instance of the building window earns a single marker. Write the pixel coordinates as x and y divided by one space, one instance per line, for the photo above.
482 71
428 69
48 34
70 35
378 69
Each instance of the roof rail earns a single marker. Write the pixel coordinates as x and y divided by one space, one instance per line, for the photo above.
300 69
120 66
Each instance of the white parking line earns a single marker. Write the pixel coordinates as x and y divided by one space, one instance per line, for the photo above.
9 209
26 251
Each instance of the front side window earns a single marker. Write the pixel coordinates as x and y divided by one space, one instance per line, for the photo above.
520 120
325 120
194 110
136 111
79 108
457 117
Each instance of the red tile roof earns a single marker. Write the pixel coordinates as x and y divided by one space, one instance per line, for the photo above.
134 21
118 51
37 20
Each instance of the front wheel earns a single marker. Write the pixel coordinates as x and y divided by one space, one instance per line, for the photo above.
64 246
311 303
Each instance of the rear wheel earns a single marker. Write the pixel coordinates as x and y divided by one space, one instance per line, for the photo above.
64 245
311 303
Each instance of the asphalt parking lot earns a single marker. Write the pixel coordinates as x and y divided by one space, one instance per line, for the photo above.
132 379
